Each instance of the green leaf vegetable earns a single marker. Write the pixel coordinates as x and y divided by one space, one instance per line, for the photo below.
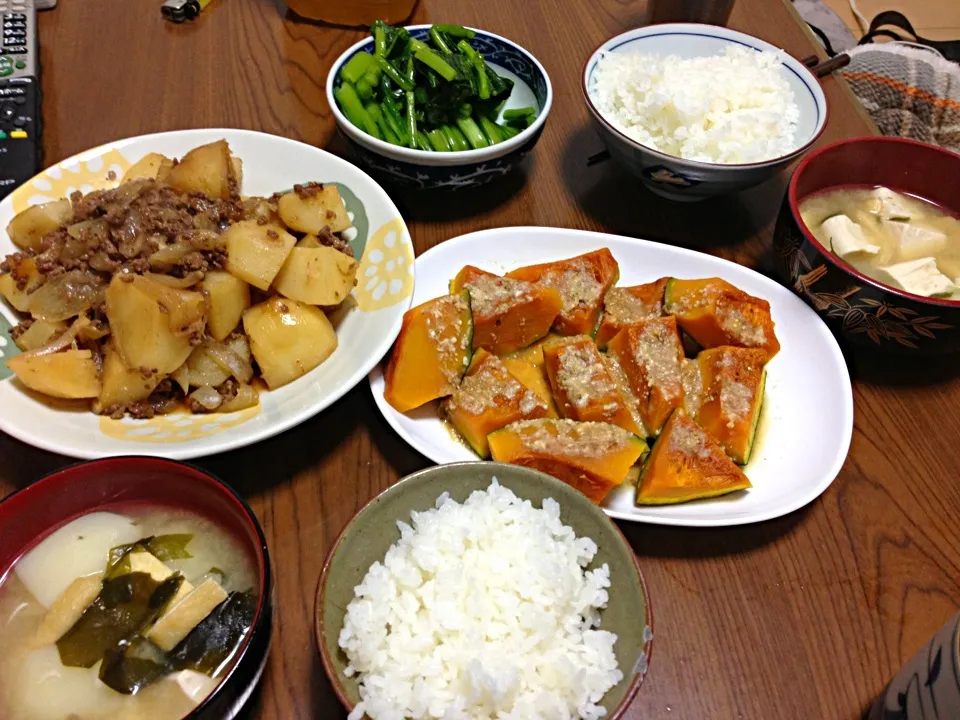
436 95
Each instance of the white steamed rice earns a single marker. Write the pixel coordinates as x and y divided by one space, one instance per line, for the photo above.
731 108
482 610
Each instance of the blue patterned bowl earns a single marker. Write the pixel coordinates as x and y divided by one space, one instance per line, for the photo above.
687 180
424 170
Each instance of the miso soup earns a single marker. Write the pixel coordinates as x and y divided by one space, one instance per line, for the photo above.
897 239
126 614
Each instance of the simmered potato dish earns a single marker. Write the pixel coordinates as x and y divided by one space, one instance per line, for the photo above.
174 289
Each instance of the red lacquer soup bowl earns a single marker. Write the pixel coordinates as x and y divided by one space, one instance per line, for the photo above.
862 310
31 514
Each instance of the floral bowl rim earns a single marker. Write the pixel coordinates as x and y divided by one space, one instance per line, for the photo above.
828 255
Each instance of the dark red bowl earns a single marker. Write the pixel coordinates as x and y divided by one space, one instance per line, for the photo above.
864 311
29 515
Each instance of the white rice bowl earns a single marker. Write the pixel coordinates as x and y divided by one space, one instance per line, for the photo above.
732 108
482 610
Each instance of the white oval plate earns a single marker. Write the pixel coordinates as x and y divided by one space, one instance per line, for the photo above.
365 330
807 419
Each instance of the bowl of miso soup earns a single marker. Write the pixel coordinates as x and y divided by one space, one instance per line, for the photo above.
869 236
131 588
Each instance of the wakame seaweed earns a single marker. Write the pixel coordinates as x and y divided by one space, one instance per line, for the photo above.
162 547
132 665
212 643
170 547
125 606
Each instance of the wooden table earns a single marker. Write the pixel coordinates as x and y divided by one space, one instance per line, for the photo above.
803 617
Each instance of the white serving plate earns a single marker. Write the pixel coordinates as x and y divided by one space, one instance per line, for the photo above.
365 329
807 419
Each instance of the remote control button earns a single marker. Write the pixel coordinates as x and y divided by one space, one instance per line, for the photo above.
19 122
7 112
15 50
3 135
18 135
20 65
6 66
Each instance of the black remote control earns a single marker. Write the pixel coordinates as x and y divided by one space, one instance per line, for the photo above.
20 148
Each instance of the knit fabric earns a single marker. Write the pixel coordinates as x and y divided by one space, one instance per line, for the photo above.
908 91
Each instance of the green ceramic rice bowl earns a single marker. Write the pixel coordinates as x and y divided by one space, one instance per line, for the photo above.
373 530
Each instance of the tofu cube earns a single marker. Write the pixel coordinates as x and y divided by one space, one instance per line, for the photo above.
920 277
846 237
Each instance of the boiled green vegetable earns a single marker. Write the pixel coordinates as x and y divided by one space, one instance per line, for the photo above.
437 94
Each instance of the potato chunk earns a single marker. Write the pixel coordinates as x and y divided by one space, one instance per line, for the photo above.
25 270
121 386
152 166
313 208
288 339
317 276
255 253
153 324
207 169
228 296
28 227
69 374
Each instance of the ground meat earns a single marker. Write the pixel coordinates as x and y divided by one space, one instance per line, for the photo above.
307 190
228 389
127 224
335 241
17 330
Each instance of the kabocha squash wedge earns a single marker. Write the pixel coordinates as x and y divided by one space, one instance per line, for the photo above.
489 398
528 367
714 313
625 305
686 464
583 282
692 386
733 380
432 352
650 354
592 457
583 386
508 314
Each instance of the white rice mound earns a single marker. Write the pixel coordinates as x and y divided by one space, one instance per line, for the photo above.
482 610
731 108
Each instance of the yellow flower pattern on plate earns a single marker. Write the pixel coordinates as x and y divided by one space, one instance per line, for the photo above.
91 171
386 270
176 427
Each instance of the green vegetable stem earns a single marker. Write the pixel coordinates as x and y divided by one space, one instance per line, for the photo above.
435 94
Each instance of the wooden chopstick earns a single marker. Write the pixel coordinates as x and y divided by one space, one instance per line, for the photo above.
828 66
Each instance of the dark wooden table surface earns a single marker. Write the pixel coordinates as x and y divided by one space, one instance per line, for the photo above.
803 617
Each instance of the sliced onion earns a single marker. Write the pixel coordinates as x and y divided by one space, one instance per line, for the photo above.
66 296
230 361
203 240
188 280
61 342
207 398
168 256
246 397
181 376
